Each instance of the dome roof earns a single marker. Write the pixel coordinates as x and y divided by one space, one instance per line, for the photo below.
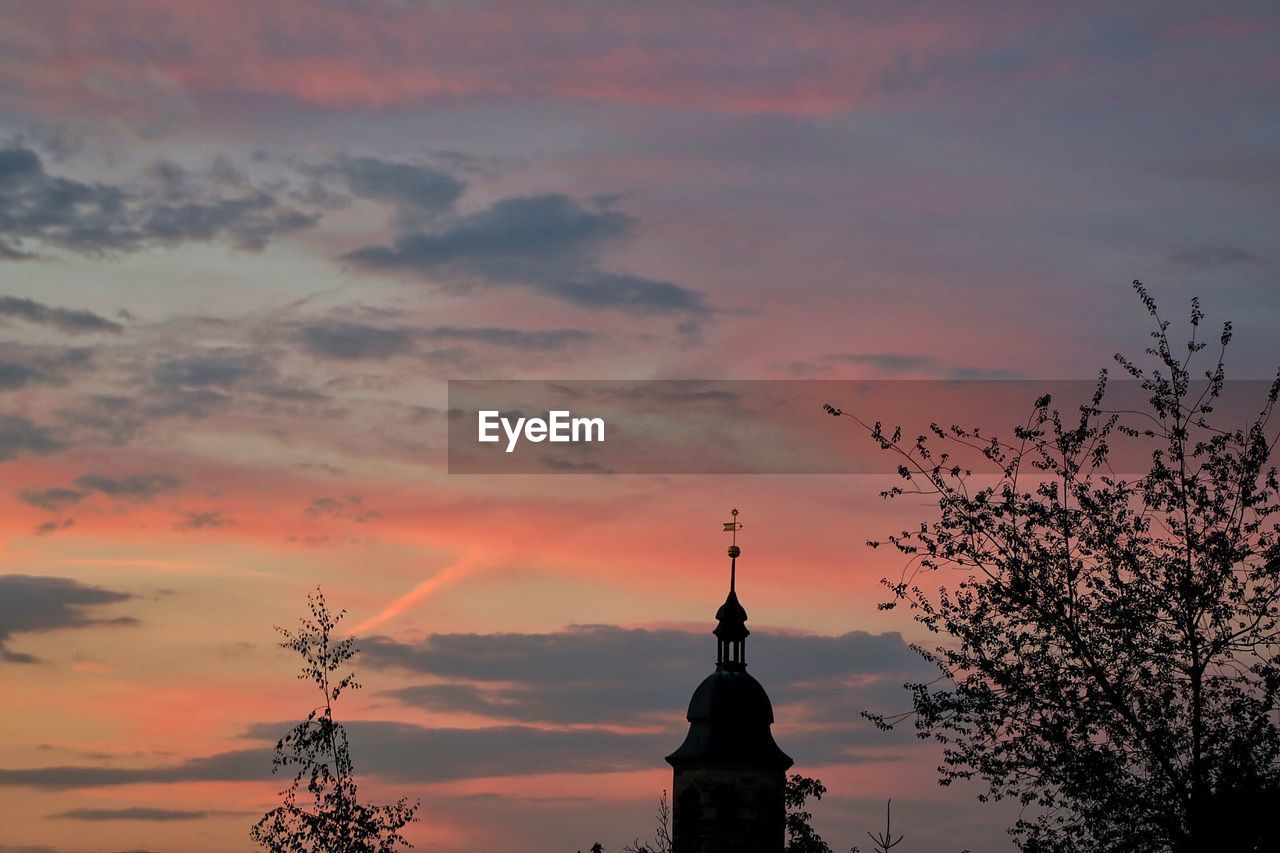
731 697
730 715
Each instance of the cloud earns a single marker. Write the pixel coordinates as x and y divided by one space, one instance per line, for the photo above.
112 418
53 499
352 507
53 526
74 322
544 339
409 753
237 765
1213 257
897 363
30 604
763 57
217 368
139 813
203 382
604 674
891 362
202 520
169 207
549 244
397 751
20 436
588 699
351 341
418 192
14 375
134 487
41 365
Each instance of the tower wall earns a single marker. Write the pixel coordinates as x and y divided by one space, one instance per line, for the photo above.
728 809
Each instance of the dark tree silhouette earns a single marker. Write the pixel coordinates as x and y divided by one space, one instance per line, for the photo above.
661 842
1110 654
801 837
884 841
334 821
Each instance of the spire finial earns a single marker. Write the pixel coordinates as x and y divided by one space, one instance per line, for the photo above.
733 527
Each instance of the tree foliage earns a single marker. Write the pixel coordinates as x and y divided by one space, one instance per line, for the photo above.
333 820
801 837
1109 645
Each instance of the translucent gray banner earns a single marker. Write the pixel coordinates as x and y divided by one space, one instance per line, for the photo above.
766 426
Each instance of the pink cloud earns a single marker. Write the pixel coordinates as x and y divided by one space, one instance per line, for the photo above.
814 60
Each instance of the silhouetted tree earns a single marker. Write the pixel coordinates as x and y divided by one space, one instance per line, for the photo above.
334 820
1110 658
801 837
661 842
883 841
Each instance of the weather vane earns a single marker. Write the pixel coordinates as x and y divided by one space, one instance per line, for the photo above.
733 527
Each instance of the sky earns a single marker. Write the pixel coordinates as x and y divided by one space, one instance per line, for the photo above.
245 245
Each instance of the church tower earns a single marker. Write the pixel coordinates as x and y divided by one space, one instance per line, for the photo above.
729 775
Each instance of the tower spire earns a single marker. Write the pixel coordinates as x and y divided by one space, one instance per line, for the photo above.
733 527
728 788
731 628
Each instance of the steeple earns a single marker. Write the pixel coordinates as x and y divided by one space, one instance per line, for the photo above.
729 775
731 619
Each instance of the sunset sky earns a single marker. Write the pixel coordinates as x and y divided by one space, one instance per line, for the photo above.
244 245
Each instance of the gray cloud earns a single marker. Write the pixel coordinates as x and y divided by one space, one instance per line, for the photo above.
350 341
201 520
14 375
139 813
53 526
41 365
544 339
237 765
134 487
408 753
53 499
418 192
108 417
168 207
1212 257
20 436
604 674
547 243
67 320
890 362
351 507
201 383
217 368
896 363
30 604
174 379
397 751
567 693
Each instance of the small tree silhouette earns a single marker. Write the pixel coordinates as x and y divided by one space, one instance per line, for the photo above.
661 842
336 821
883 841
